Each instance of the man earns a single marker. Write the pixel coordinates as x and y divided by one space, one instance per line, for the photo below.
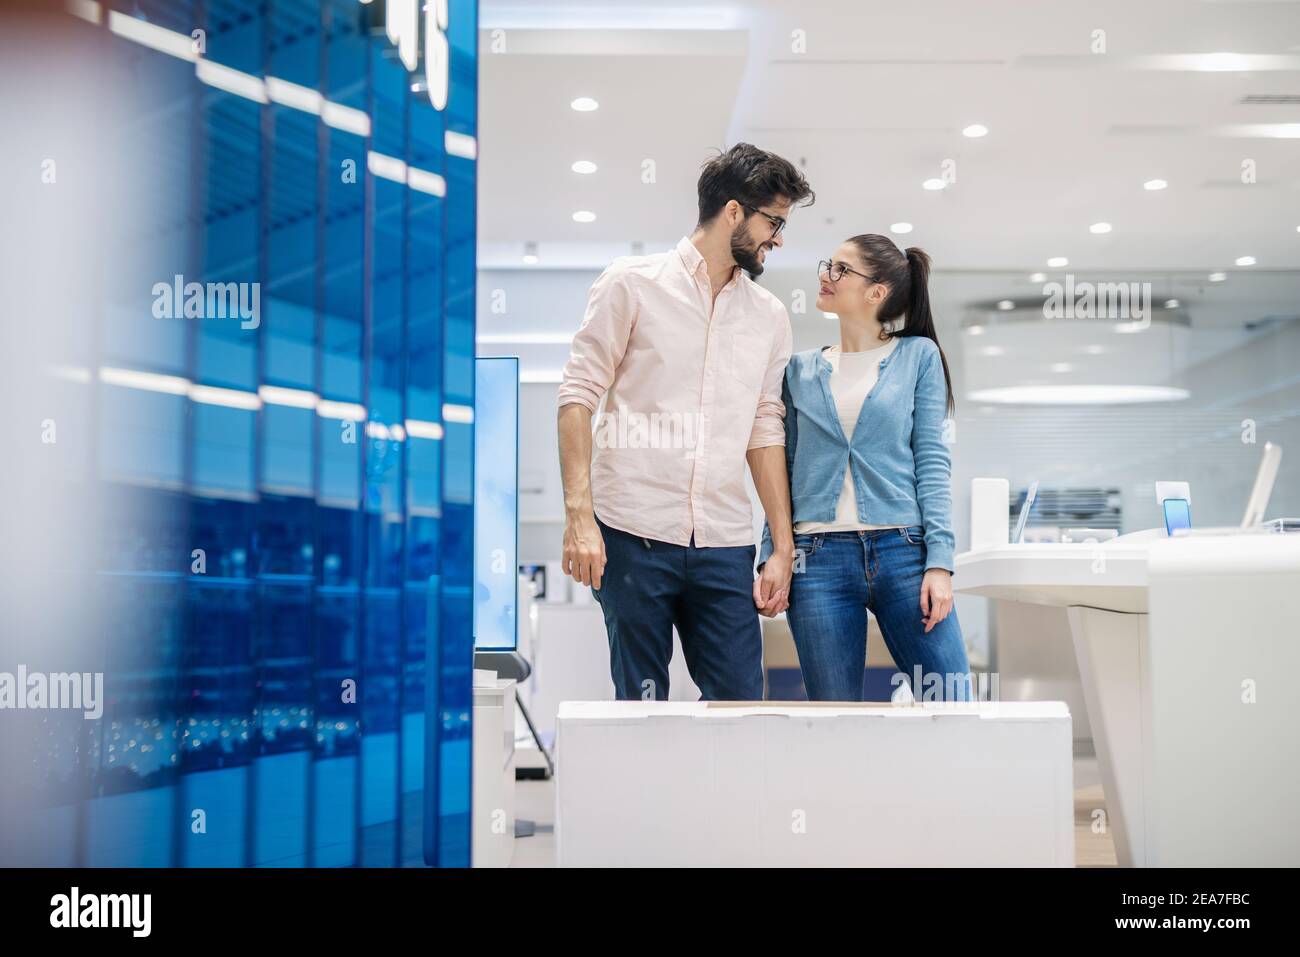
689 354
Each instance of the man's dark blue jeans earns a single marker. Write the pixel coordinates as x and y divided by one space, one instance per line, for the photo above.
649 586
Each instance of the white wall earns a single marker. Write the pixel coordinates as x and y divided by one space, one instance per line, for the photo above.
1247 378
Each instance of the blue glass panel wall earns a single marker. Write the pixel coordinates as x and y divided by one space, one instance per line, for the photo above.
283 430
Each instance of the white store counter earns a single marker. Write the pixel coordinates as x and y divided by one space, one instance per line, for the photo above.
1186 648
493 839
646 783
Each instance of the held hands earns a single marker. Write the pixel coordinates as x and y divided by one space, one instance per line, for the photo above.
584 549
936 596
772 586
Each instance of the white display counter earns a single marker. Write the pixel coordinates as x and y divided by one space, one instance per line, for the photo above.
493 818
799 784
1172 636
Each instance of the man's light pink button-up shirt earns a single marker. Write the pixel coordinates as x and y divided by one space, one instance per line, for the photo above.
690 385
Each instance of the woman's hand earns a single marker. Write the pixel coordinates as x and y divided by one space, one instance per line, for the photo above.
772 586
936 596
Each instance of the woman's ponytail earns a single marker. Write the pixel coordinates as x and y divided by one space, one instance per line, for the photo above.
908 276
918 293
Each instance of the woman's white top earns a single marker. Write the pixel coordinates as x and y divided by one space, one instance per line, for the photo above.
853 374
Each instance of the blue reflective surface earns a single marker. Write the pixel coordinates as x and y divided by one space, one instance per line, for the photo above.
286 558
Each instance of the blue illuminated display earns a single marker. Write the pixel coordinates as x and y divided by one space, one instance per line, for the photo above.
287 552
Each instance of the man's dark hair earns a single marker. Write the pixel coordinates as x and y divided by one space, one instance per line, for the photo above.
752 177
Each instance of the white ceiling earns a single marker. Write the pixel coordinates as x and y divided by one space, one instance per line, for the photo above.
875 104
871 109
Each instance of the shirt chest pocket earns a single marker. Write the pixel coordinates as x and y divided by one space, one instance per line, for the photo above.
744 358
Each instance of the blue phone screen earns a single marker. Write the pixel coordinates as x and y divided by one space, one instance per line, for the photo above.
1178 514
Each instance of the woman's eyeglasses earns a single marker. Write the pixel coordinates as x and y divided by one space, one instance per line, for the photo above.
836 271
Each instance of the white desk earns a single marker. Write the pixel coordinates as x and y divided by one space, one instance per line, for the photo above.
1171 636
493 816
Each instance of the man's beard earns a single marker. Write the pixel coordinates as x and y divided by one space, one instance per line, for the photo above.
745 251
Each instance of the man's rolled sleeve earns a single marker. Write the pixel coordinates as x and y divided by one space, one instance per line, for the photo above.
769 419
599 344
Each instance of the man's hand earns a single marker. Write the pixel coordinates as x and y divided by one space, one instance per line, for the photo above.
936 596
584 549
772 586
772 480
584 546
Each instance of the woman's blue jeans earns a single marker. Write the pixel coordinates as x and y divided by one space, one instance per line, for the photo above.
839 577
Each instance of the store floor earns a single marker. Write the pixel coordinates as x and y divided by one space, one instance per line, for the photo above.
535 801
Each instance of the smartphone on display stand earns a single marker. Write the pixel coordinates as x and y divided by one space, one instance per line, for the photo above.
1178 515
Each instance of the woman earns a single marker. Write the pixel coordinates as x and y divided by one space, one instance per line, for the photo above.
869 482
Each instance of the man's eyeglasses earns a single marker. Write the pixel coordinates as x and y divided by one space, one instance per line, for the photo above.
836 271
777 222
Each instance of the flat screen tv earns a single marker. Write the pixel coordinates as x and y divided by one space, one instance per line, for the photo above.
496 502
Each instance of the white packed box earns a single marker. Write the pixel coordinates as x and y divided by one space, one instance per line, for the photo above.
667 783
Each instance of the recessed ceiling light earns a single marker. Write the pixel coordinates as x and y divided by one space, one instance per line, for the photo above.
1297 229
1056 262
1154 184
1061 367
830 315
1172 303
975 130
975 330
583 166
1099 228
584 216
1081 394
900 227
584 104
1271 131
933 184
1038 277
1221 63
1094 350
530 259
1006 305
1218 276
1245 260
993 351
1128 328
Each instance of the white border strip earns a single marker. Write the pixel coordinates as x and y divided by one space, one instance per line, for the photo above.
386 167
294 96
426 182
232 81
345 118
268 395
153 36
459 414
460 144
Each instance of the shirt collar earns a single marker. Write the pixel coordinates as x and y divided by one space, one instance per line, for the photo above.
691 257
693 260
